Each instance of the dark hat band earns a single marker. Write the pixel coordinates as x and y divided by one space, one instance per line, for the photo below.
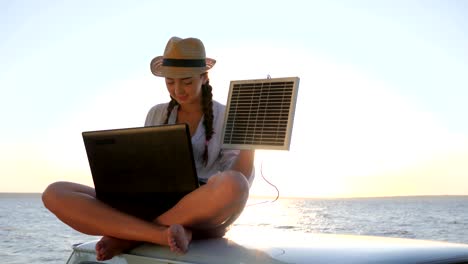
183 63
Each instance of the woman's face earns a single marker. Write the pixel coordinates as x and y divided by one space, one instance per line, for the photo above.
186 90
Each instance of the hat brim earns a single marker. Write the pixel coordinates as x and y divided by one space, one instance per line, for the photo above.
178 72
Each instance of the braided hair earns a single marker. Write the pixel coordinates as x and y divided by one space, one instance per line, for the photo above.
207 108
171 106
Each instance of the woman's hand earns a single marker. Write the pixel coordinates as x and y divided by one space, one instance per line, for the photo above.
244 162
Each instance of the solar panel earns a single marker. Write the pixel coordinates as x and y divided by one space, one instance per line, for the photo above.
260 113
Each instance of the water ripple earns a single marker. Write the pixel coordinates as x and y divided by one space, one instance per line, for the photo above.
26 226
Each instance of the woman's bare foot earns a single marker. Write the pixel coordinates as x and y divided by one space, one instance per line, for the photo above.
108 247
178 238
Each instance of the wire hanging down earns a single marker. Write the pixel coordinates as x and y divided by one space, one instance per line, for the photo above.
274 186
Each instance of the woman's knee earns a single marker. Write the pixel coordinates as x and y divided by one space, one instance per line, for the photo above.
57 191
232 183
51 194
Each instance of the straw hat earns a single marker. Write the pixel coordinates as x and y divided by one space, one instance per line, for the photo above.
182 58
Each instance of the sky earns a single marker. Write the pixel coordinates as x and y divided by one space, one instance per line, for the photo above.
381 109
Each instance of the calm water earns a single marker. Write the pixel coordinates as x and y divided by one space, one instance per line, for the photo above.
30 234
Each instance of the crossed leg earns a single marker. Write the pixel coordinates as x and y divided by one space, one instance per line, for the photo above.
208 207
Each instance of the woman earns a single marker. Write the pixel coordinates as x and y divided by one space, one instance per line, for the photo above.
225 175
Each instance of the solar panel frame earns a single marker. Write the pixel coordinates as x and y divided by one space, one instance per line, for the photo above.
260 113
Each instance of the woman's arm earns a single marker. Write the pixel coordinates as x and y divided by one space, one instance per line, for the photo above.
244 163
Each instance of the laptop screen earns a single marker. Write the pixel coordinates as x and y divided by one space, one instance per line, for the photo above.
140 163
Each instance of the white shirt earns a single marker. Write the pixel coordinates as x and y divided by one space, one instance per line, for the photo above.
218 159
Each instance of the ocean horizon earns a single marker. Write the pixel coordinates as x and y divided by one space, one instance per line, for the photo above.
291 197
29 233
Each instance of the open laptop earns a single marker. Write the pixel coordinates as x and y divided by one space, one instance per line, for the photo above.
142 171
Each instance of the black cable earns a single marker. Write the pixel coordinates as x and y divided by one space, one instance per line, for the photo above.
267 181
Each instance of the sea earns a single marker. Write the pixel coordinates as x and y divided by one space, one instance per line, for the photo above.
29 233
